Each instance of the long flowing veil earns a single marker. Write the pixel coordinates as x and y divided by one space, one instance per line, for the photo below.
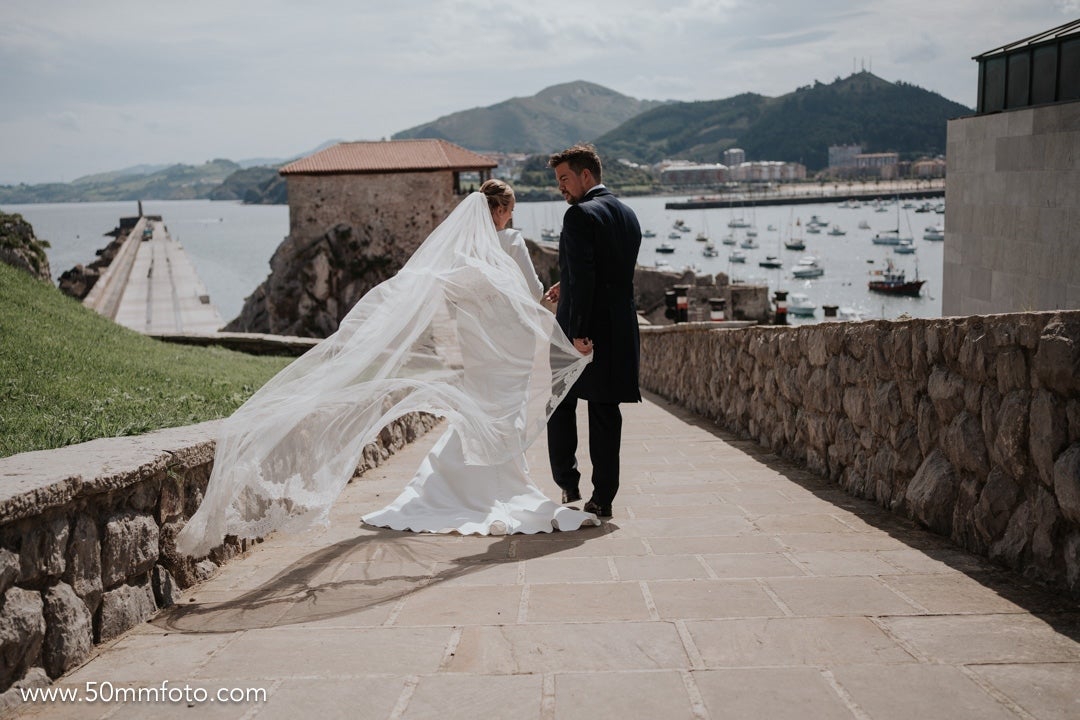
284 456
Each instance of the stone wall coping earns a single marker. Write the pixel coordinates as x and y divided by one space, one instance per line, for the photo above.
701 326
250 343
34 482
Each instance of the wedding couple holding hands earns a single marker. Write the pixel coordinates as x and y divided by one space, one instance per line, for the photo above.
460 332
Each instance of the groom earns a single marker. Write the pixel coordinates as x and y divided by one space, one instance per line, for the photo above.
598 251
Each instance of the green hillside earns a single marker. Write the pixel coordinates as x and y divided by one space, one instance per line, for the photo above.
176 182
68 375
797 127
689 131
554 118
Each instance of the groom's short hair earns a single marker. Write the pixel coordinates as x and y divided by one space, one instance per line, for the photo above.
579 157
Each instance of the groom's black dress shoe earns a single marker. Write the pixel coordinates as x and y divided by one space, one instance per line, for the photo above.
569 496
603 511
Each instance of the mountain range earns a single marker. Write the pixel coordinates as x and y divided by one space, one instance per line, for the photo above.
797 127
552 119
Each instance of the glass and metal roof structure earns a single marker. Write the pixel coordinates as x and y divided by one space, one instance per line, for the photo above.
1038 70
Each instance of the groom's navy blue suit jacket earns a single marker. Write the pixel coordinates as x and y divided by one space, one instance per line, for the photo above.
598 251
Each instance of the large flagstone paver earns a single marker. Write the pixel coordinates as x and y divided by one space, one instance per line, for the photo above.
729 584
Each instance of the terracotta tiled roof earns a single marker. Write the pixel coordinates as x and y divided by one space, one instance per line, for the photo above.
387 157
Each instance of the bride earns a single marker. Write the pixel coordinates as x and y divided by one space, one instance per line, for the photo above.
448 494
458 332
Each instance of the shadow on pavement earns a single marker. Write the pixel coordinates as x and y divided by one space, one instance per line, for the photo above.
362 573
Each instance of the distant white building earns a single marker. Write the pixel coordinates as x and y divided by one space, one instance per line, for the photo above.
768 171
734 156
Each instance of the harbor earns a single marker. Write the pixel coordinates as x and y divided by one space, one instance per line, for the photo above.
764 245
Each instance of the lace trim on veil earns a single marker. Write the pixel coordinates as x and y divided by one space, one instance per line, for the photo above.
284 456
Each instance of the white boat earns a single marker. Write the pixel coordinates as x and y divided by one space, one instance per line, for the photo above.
799 304
848 313
648 233
729 239
737 256
710 250
771 261
673 235
702 237
934 232
813 229
738 222
665 247
863 225
549 235
836 230
749 243
808 267
905 247
795 244
887 237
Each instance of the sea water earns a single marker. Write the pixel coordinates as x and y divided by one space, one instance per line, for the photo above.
231 244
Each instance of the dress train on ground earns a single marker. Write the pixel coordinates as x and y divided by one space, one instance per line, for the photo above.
449 496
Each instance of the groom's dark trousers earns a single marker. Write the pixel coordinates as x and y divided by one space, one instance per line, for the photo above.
605 438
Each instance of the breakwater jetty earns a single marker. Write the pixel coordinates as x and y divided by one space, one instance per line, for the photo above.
151 285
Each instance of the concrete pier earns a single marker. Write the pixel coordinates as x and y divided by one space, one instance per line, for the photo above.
152 287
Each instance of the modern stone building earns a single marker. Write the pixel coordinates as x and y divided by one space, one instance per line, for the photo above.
1012 223
357 211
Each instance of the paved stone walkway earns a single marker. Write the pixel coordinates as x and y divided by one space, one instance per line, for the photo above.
729 584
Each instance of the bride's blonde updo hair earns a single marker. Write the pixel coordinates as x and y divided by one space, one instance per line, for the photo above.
498 193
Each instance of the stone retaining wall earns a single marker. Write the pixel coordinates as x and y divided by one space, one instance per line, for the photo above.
87 539
970 426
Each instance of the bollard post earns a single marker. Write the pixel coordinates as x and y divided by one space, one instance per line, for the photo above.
780 297
830 310
682 303
671 311
716 309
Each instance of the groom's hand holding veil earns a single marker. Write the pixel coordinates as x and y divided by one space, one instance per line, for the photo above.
583 345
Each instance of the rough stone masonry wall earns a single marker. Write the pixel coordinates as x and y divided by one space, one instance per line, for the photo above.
971 426
87 540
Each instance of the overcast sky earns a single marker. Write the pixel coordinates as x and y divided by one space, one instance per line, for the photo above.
89 86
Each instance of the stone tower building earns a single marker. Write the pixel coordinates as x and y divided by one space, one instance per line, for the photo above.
357 211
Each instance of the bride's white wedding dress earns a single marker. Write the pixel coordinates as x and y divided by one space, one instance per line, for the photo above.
448 494
458 333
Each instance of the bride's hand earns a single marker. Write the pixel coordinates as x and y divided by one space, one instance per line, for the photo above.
552 295
583 345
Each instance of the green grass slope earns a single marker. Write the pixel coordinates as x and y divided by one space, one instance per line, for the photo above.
68 375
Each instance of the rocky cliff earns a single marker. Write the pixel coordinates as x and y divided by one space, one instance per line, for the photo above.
20 248
313 284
